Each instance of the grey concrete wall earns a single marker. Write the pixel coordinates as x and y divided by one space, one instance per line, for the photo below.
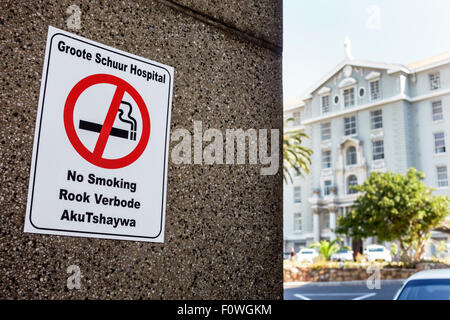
223 235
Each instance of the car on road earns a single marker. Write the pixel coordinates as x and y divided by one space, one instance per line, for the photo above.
426 285
342 255
307 255
377 252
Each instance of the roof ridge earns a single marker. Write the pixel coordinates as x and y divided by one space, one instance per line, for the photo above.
354 62
430 60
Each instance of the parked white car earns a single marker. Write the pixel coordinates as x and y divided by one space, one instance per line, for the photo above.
307 255
342 255
426 285
376 252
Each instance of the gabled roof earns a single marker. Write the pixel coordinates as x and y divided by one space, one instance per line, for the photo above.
390 67
418 66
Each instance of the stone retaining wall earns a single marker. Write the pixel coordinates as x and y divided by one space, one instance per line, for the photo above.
291 274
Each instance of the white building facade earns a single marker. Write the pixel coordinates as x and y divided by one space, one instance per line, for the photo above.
362 117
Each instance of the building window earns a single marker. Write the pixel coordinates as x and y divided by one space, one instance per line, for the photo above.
326 159
297 194
349 97
298 246
435 81
442 176
326 221
375 90
351 156
325 129
325 104
351 181
297 221
336 99
439 142
297 118
362 92
327 187
436 107
378 149
376 119
350 126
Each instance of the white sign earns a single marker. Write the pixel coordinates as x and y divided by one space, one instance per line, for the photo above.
99 166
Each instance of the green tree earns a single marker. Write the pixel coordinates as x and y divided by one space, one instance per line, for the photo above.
441 248
394 250
328 248
295 156
396 207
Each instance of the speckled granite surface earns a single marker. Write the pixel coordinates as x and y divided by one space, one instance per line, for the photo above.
261 18
223 223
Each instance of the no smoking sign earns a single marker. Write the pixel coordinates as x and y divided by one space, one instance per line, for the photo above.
106 129
99 166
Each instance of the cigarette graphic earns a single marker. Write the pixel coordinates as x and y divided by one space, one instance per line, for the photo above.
115 132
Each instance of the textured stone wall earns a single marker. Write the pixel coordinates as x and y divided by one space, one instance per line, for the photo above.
306 274
335 274
223 236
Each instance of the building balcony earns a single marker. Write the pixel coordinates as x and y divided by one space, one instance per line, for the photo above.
360 101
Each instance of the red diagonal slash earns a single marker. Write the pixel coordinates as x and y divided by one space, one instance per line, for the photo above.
108 123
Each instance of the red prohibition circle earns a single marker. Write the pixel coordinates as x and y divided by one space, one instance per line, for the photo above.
95 156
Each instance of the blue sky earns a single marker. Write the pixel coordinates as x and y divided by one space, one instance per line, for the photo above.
395 31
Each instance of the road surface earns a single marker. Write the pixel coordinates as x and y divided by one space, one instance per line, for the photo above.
345 290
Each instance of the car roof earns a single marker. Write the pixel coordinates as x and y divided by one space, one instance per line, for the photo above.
431 274
375 246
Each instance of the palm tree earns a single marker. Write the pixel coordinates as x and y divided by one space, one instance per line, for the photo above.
295 156
328 248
